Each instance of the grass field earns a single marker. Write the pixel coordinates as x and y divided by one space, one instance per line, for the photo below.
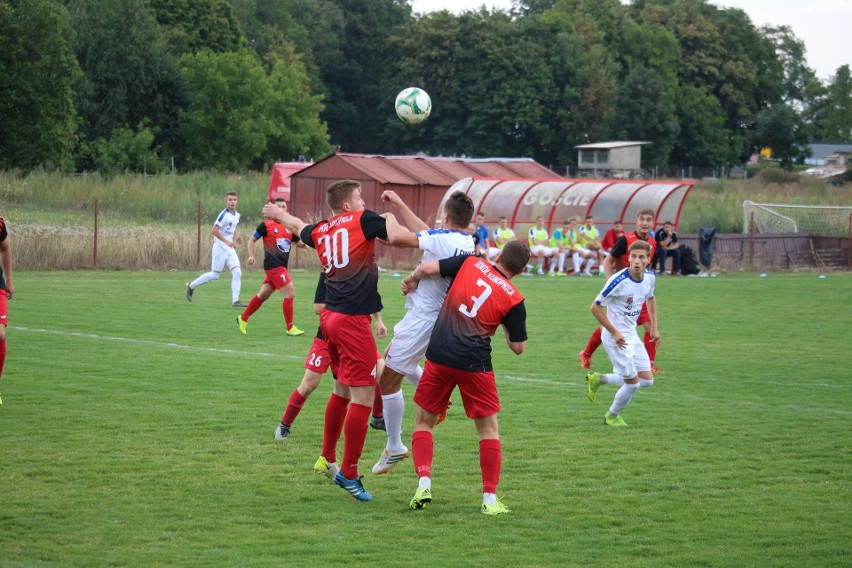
137 430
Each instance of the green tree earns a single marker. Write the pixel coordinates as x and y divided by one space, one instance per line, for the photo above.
835 117
227 121
197 25
702 139
647 111
38 121
781 128
129 77
126 150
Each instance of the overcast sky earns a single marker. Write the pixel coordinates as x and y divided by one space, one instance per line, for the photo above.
825 26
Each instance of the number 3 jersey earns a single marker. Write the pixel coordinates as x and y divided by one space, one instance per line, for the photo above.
480 298
346 247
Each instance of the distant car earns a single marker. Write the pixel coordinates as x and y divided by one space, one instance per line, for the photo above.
279 185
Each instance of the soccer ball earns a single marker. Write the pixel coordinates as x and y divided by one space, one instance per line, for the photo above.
413 105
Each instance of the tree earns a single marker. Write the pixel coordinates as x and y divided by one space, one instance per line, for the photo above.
780 128
129 78
37 71
647 111
835 120
227 121
197 25
702 139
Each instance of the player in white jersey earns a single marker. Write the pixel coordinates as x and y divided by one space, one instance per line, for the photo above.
224 254
411 335
617 308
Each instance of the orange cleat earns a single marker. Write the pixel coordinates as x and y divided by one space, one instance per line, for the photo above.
654 368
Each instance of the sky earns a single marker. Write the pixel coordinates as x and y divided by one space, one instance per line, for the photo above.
825 26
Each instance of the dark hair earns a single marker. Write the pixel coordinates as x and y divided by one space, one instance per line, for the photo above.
515 256
279 200
459 208
234 193
640 245
339 191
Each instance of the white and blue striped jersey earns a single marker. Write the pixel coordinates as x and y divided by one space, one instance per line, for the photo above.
227 223
622 296
436 244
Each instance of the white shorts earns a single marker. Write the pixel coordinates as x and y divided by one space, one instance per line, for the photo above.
410 340
583 251
225 256
493 252
627 362
541 248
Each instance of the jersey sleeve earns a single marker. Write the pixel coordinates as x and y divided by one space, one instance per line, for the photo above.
515 322
3 232
306 237
260 231
374 226
449 267
619 248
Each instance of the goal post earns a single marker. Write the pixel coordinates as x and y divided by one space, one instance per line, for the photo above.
817 220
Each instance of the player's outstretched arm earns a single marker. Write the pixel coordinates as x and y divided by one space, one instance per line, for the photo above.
398 235
250 260
292 223
6 263
408 216
381 328
517 347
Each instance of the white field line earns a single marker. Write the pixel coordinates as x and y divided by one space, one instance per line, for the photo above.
549 382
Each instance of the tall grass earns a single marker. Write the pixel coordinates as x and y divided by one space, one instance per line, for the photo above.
151 222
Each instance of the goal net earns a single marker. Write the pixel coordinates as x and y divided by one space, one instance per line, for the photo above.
822 220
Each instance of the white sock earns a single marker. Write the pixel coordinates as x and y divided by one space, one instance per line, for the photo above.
489 498
561 262
645 383
236 283
577 263
204 279
414 378
590 264
424 482
612 379
622 397
394 408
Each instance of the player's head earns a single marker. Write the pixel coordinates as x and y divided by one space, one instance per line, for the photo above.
231 200
502 221
458 210
280 203
644 221
617 228
639 255
539 222
480 218
589 221
514 257
345 195
571 223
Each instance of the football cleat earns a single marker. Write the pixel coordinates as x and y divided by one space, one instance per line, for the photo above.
614 420
239 304
295 331
585 360
388 460
353 486
497 508
421 498
324 467
188 292
654 368
593 380
377 422
282 432
243 324
443 416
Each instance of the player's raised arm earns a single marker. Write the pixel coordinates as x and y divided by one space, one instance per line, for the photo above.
408 217
292 223
398 235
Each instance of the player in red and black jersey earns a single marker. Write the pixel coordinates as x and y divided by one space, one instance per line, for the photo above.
7 288
345 245
480 299
277 243
618 260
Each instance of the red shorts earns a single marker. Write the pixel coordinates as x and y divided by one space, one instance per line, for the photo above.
644 317
318 358
351 346
4 314
478 390
277 277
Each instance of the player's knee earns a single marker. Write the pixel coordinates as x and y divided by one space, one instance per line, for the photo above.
646 383
236 273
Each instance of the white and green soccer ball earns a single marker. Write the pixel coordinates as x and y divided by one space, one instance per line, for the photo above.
413 105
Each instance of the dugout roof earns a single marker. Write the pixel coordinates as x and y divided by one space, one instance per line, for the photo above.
558 199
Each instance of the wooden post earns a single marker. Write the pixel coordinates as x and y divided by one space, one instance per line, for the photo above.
751 240
95 242
849 246
198 239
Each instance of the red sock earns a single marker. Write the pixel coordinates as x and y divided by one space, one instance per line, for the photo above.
253 305
422 452
335 414
2 355
287 306
490 458
594 342
378 405
354 435
294 406
650 347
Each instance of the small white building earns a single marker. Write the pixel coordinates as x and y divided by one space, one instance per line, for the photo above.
616 159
